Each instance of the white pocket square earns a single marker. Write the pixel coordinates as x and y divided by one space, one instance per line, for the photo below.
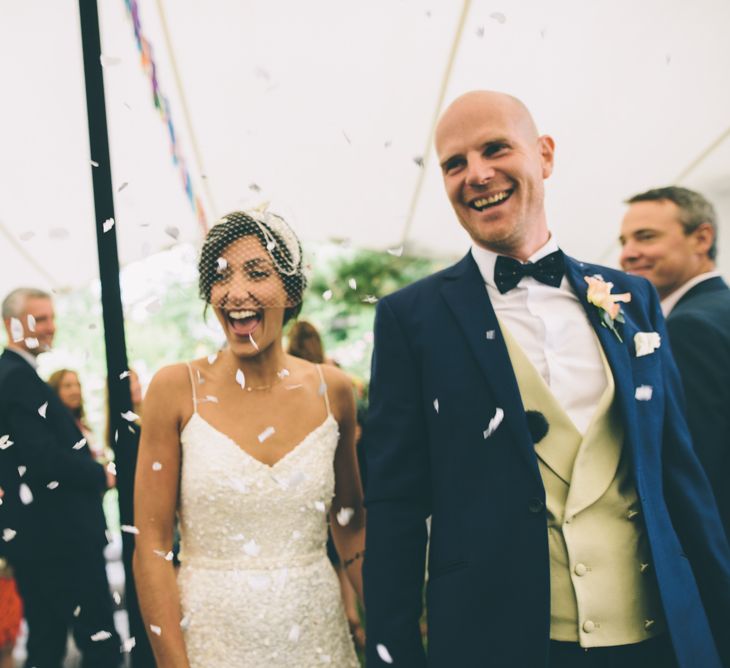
646 343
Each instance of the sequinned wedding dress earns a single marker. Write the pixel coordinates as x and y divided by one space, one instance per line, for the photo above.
255 583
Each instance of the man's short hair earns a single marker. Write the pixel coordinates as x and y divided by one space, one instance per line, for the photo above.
14 303
694 209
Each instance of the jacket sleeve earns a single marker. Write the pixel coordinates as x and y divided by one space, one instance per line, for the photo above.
691 502
36 444
397 498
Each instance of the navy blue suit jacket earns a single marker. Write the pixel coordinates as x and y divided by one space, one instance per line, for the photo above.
699 330
488 592
63 522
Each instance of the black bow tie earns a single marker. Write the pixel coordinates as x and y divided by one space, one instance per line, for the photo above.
508 272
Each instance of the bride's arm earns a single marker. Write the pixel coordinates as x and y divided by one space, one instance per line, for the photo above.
347 517
155 503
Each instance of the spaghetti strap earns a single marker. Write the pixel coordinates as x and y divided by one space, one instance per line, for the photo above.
323 389
192 384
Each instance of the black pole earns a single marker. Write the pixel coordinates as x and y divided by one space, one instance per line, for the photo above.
125 441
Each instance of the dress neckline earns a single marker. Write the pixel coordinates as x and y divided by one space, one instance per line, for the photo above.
246 453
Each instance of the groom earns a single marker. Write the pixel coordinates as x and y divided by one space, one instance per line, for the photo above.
537 417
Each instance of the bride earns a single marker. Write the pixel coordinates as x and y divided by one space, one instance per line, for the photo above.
252 449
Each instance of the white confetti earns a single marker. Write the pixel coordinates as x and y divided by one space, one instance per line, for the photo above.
9 534
112 468
156 466
94 163
16 330
26 496
241 378
79 444
129 644
253 343
266 433
252 548
293 387
130 416
212 358
128 528
167 556
124 374
436 405
53 484
122 187
32 342
383 653
644 392
211 398
370 299
173 232
31 323
498 17
490 334
294 633
396 252
344 516
21 470
109 61
352 283
327 295
5 442
284 373
156 630
270 245
185 622
77 611
107 224
319 505
42 410
494 423
117 597
100 635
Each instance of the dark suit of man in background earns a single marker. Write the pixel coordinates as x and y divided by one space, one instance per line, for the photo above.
51 519
669 235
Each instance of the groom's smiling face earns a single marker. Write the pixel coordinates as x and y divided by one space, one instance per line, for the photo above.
493 164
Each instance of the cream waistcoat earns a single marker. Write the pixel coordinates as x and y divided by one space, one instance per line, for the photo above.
602 588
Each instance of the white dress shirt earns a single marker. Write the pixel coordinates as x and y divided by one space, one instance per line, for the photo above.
669 302
553 329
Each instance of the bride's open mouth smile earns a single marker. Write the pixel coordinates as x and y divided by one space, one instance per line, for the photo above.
243 322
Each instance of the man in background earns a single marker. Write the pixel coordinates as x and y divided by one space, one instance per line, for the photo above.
669 235
51 521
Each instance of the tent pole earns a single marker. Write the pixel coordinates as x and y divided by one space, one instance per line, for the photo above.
125 446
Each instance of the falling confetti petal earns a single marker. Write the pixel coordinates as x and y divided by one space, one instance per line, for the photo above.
294 633
498 17
112 468
255 187
284 373
53 484
109 61
221 265
117 597
266 433
270 245
383 653
5 442
156 466
344 516
31 323
347 139
129 644
436 405
9 534
397 252
156 630
173 232
16 330
101 635
185 622
327 295
42 410
418 160
167 556
22 470
494 423
490 334
253 343
252 548
241 378
77 611
370 299
108 224
644 392
122 187
212 358
352 283
130 416
319 505
26 496
211 398
94 163
293 387
31 342
480 31
80 444
123 375
128 528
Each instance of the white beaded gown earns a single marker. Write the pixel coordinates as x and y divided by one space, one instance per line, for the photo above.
256 586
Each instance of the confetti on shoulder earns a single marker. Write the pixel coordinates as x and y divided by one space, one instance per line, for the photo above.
266 433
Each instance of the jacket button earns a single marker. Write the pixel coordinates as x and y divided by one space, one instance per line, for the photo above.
580 570
535 505
589 626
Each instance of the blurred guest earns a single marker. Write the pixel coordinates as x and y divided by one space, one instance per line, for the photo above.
68 388
306 343
669 235
11 611
52 519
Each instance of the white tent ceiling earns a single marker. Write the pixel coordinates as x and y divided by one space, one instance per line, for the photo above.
322 107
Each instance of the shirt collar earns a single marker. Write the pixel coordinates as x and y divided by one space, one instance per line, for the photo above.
25 355
669 302
486 259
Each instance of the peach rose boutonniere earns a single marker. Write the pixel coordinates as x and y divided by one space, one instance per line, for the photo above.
599 294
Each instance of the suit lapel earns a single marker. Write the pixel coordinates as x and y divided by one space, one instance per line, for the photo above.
466 296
